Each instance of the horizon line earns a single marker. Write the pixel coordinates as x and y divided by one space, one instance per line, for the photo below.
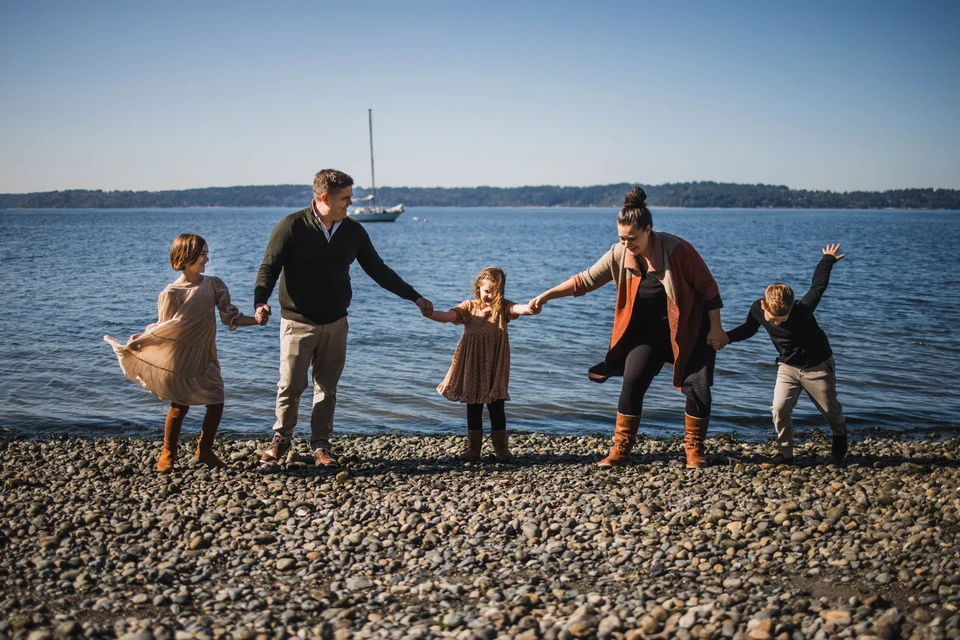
531 186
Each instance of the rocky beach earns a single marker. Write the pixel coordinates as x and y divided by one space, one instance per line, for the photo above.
402 541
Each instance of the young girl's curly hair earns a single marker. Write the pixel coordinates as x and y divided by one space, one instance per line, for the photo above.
497 278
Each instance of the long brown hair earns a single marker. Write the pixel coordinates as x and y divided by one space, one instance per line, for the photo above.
497 278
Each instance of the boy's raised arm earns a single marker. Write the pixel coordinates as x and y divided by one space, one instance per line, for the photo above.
821 276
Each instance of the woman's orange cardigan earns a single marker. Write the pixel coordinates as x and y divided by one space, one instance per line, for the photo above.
691 291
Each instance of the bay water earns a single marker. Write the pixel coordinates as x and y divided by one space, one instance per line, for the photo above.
71 276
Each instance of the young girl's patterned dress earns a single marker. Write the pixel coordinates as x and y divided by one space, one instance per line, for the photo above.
480 372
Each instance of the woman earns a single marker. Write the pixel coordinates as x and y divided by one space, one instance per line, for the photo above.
668 310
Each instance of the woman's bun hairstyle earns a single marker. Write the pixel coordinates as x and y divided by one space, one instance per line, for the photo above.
635 199
635 212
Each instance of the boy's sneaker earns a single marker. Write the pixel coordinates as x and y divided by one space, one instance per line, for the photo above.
777 461
839 449
277 449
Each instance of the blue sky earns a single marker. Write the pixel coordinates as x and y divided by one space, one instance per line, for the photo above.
839 95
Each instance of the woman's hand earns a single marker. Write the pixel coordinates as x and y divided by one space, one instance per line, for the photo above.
536 304
832 249
717 339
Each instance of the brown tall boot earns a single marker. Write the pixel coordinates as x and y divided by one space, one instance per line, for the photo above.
694 439
500 447
474 445
171 436
208 432
624 437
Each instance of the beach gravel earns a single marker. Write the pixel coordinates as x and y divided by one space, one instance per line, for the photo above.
403 541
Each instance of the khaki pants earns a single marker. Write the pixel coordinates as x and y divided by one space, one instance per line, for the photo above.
302 345
820 383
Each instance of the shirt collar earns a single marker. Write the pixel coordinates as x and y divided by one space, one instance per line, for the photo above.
316 214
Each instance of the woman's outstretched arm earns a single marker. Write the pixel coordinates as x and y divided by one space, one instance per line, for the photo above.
562 290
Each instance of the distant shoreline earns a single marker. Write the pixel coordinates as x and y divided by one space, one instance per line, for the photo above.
687 195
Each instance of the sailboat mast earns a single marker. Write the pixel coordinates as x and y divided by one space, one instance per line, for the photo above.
373 182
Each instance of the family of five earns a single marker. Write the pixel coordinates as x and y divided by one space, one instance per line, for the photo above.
667 311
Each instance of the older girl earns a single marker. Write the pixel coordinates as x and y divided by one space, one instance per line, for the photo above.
176 357
668 311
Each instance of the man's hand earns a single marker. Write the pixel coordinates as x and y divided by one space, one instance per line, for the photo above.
262 314
426 307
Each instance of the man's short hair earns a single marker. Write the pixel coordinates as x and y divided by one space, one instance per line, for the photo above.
778 298
330 181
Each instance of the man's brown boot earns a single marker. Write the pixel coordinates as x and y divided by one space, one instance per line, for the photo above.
693 441
500 447
474 446
208 433
624 437
171 436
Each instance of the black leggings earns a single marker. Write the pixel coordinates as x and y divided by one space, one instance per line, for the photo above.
498 417
643 364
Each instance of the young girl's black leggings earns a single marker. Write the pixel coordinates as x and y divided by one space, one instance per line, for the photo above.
643 364
498 417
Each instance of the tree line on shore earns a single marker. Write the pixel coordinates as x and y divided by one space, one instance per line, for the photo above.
680 194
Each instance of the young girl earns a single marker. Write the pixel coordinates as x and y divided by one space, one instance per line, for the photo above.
480 371
176 357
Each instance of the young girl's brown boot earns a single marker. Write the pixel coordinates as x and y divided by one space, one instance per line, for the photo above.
500 447
208 433
171 436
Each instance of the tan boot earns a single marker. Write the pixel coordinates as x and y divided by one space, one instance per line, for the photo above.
474 445
624 437
171 436
694 439
208 433
500 447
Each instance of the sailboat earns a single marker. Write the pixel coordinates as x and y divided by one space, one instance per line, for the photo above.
372 212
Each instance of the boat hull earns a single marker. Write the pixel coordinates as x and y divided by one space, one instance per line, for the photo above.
385 216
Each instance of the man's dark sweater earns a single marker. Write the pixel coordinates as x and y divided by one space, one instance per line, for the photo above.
315 273
799 340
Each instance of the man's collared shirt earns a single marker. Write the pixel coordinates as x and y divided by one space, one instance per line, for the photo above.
326 232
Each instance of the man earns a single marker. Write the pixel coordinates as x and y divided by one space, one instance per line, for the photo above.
311 251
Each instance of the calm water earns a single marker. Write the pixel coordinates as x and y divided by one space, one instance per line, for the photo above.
69 277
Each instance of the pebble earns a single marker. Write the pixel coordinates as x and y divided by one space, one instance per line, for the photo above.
406 542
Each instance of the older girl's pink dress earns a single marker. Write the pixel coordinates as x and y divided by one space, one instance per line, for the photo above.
480 372
176 358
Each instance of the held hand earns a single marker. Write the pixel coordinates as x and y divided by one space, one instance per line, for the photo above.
717 338
536 304
426 307
262 314
831 250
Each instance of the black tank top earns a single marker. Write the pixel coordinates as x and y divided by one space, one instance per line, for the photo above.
648 322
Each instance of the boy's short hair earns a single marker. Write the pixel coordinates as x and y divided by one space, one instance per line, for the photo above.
778 299
186 250
330 181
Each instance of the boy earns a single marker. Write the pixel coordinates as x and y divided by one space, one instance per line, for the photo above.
805 362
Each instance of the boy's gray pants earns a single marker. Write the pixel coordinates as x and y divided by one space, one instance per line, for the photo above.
321 348
820 383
